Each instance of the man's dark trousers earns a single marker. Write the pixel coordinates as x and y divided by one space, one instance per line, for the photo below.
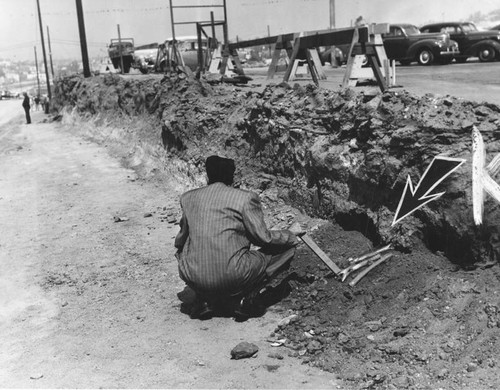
28 117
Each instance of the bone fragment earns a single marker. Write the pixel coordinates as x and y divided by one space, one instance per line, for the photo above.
363 273
371 254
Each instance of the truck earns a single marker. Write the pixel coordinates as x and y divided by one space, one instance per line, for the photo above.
122 51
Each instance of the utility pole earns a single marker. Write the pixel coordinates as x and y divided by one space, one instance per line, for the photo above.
332 14
37 76
44 56
50 53
83 39
120 47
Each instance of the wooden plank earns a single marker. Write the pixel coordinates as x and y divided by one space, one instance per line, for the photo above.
378 74
350 60
322 255
478 157
274 61
292 67
317 63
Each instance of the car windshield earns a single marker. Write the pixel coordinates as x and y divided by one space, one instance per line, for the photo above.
467 27
412 30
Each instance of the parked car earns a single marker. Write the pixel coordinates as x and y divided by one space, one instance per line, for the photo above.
406 44
145 57
472 42
187 47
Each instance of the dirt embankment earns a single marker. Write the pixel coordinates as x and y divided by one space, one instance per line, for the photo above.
417 321
341 156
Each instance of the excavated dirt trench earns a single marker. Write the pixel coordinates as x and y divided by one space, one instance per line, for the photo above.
342 156
419 321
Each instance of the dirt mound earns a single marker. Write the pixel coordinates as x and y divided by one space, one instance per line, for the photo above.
343 156
417 321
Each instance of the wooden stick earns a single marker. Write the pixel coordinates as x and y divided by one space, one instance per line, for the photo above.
322 255
363 273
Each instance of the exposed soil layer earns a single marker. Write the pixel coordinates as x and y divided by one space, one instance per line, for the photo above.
342 156
417 321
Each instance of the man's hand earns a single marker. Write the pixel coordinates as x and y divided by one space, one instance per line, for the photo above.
297 228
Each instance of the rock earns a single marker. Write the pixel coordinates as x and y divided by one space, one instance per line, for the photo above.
147 215
401 382
244 350
373 325
276 355
401 332
271 367
443 373
471 367
313 346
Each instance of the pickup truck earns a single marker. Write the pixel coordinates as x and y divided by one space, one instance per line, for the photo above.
405 43
471 42
121 49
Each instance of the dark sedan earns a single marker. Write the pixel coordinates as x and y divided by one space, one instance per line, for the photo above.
472 42
405 43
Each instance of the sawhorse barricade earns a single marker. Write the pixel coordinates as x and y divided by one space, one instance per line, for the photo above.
374 52
364 41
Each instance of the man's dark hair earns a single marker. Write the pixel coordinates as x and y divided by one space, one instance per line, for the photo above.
220 169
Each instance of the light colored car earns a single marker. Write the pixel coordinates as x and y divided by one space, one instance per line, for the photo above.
187 47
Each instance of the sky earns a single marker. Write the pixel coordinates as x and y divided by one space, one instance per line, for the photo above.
149 21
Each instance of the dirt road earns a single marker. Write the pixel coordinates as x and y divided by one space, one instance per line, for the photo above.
88 281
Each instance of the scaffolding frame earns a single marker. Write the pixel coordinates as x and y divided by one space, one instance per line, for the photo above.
177 57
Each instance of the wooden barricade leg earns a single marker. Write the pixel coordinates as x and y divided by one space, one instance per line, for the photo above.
372 60
237 63
216 60
274 61
351 62
317 63
292 66
312 68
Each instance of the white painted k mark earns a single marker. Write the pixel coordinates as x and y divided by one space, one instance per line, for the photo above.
481 176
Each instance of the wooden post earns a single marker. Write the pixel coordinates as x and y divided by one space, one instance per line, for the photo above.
37 72
121 48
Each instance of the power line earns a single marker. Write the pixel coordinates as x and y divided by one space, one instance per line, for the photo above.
108 10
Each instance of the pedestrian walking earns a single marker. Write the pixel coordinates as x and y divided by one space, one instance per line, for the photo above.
37 102
26 106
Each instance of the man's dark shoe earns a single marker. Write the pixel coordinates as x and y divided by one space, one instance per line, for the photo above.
202 311
248 307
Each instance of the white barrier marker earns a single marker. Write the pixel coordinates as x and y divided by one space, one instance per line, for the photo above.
481 176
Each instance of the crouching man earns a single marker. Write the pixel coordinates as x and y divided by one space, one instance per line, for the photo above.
218 225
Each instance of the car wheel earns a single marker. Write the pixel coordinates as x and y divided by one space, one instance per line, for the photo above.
425 57
486 53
